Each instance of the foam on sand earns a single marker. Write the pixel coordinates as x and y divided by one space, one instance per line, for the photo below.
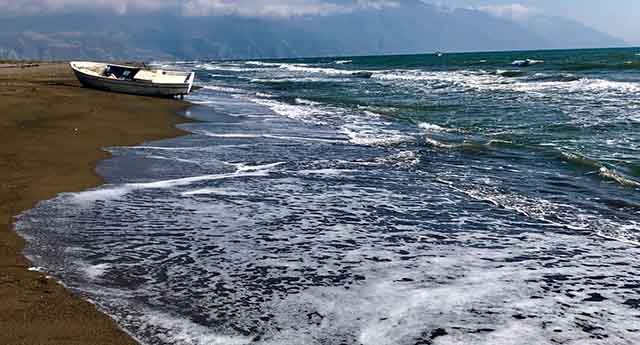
214 191
482 296
325 172
116 192
268 136
175 330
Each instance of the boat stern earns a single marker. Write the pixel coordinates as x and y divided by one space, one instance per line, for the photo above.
190 79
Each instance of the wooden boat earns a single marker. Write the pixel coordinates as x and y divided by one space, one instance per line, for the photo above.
133 80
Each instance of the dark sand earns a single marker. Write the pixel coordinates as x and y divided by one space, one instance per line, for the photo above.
51 136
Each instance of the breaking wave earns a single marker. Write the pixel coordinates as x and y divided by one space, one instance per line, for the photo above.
526 62
561 77
511 73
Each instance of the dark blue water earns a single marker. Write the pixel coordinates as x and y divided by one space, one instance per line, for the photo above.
462 199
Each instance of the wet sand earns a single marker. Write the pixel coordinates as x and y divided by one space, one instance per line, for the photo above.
52 135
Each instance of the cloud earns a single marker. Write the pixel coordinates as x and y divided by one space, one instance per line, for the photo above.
510 11
47 6
260 8
56 6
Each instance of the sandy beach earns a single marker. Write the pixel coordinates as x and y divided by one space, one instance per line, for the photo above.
53 132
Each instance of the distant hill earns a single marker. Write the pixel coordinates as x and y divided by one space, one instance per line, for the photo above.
567 33
412 27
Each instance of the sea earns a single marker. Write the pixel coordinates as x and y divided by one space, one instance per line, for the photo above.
476 198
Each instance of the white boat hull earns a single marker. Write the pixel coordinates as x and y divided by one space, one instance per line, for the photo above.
136 87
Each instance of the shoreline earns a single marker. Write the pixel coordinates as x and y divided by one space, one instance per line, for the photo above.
54 134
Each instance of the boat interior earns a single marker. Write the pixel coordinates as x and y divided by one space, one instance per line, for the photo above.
120 72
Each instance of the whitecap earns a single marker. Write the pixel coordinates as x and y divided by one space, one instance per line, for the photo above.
430 127
371 113
321 70
613 175
527 62
402 158
306 102
553 213
243 167
305 111
367 137
225 76
439 144
264 95
297 80
326 172
625 233
227 68
509 73
263 64
94 271
224 89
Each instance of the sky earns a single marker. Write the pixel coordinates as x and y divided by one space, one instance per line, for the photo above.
620 18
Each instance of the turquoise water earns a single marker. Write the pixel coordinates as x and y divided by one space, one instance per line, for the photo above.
485 198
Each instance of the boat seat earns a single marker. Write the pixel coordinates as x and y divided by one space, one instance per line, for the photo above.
157 77
144 75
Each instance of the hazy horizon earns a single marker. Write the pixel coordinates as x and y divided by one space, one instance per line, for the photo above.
619 20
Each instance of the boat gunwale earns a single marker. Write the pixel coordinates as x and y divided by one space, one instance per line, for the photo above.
144 87
134 82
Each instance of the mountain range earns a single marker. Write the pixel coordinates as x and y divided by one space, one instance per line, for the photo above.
413 26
